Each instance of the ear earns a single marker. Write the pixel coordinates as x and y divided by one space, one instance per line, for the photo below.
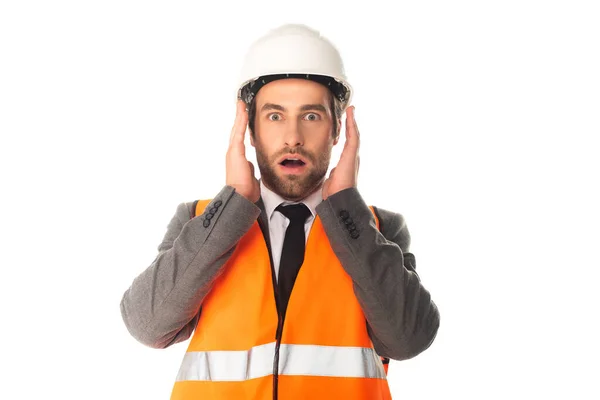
251 137
337 134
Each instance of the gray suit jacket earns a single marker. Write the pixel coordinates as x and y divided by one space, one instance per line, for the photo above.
163 304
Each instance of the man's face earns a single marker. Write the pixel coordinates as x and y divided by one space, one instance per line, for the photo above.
293 121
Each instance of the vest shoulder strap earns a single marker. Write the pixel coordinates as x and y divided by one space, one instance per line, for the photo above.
200 205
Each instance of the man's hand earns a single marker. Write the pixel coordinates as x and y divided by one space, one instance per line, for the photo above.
240 171
345 174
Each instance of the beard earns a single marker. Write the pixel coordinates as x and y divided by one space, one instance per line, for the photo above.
292 187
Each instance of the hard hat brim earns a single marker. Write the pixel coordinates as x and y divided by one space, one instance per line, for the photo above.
341 90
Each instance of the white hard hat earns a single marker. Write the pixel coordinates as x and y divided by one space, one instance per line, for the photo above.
293 51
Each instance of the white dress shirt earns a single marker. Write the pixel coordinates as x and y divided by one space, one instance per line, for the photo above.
278 222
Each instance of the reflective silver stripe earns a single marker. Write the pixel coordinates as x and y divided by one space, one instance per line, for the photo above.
227 365
347 362
294 359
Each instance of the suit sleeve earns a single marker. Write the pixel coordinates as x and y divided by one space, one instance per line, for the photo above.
161 307
402 318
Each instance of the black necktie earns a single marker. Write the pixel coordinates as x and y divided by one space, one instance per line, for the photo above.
292 253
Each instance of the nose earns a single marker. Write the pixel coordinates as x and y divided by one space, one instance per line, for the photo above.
293 135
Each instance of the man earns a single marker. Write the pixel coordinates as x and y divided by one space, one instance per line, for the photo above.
292 287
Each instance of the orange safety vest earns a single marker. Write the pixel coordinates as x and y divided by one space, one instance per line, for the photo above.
241 349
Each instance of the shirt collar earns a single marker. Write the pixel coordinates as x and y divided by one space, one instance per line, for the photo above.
271 200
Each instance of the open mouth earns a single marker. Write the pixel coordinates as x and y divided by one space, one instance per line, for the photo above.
292 165
292 162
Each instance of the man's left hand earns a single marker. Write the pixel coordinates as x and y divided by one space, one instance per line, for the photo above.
345 174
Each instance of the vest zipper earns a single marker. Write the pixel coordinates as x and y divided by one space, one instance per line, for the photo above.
278 334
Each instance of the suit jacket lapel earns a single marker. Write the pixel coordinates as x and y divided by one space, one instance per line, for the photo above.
263 222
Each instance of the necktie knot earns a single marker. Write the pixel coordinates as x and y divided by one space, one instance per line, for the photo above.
295 212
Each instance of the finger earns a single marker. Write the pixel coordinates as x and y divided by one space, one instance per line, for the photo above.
235 123
352 133
241 119
239 127
351 146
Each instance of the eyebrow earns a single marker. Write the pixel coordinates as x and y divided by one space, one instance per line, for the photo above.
271 106
306 107
314 107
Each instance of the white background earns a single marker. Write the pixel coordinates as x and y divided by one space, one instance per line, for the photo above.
478 123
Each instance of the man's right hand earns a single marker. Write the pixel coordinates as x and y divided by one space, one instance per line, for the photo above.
240 171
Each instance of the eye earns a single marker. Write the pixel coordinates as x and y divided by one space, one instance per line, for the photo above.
274 117
312 117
